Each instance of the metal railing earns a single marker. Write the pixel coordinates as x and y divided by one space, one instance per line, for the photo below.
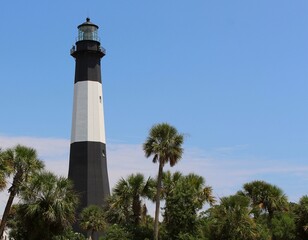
100 48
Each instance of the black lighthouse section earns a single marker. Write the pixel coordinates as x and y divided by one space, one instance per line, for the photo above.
88 170
88 54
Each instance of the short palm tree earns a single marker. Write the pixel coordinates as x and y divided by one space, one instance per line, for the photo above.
126 200
24 163
231 219
204 193
265 197
184 197
169 181
302 217
92 220
49 203
164 143
117 210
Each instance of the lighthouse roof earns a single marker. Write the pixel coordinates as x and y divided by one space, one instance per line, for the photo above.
87 23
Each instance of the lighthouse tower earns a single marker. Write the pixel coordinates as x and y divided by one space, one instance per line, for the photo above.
88 165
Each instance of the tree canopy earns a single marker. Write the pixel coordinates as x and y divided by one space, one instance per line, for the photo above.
190 211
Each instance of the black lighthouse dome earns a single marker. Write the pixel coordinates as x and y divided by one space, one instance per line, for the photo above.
88 31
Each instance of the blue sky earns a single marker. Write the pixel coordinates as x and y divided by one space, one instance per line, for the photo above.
231 75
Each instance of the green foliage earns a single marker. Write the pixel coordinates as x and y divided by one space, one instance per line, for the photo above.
164 143
116 232
183 199
5 170
263 228
283 226
140 232
266 198
231 220
187 236
17 224
126 206
301 218
117 210
69 235
23 163
48 203
269 209
92 219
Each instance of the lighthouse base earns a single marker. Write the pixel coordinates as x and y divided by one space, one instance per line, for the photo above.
88 172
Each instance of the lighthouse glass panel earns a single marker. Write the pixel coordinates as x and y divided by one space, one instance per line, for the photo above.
87 33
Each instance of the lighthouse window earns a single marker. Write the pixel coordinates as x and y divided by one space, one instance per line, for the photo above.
100 99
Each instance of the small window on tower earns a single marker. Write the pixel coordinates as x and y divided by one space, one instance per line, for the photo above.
100 99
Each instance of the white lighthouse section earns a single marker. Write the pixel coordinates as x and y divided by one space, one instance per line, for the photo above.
88 117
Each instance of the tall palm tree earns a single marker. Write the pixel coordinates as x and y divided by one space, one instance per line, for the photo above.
164 143
49 203
92 219
24 163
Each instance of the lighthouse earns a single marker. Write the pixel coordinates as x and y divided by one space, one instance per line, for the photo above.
88 163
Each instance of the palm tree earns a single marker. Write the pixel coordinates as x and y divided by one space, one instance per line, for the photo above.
164 143
5 170
116 232
139 188
265 197
49 203
301 219
184 197
24 163
231 219
169 181
117 210
126 201
92 220
204 193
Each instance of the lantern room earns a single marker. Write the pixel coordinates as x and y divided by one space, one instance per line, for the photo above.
88 31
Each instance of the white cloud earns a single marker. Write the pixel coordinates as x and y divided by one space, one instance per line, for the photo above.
225 174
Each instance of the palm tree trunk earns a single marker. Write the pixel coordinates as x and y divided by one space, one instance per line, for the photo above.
13 191
92 235
136 210
157 208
